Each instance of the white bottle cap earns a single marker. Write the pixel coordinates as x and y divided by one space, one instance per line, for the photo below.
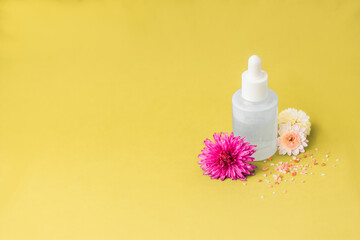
254 82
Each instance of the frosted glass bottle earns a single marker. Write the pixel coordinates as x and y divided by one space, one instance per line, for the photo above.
255 109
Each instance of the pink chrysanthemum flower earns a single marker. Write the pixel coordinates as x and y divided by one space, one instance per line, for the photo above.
292 139
226 157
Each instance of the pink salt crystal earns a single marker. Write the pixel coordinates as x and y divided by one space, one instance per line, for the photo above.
270 186
265 168
323 164
302 181
304 155
293 173
294 158
259 180
309 154
284 168
326 156
284 191
316 149
306 165
244 184
264 175
276 182
269 172
303 172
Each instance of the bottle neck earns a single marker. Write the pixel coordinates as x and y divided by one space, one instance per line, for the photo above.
254 90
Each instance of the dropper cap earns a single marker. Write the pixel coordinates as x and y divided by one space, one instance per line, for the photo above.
254 81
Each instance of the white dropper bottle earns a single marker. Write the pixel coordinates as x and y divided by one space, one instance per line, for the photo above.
255 108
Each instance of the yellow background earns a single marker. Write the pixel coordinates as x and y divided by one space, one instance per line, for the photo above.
104 107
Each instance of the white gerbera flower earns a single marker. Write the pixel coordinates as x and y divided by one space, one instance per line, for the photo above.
292 139
295 116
